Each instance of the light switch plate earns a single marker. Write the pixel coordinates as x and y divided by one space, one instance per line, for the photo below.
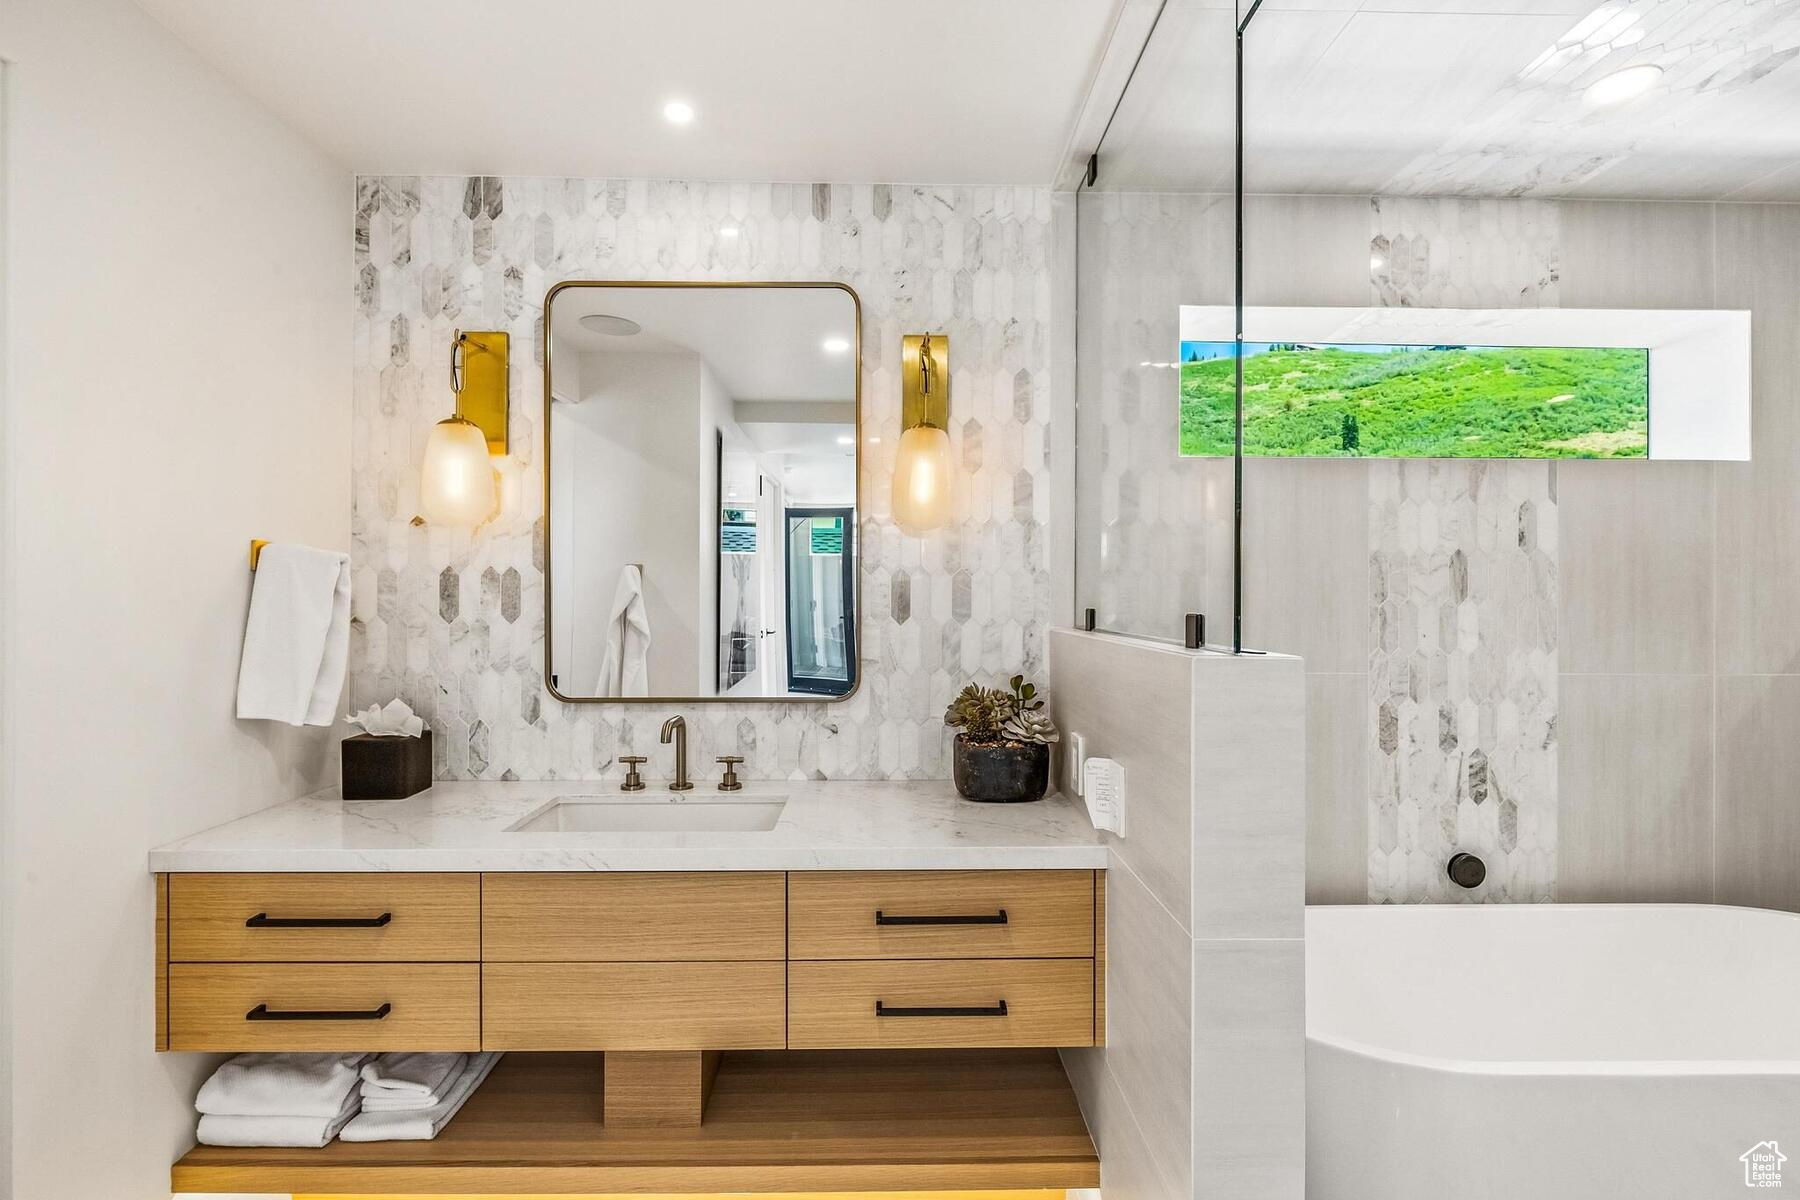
1103 787
1075 757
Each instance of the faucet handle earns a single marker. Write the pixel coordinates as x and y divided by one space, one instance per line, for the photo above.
633 781
730 782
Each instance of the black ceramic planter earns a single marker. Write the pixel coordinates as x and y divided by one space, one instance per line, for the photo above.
1001 774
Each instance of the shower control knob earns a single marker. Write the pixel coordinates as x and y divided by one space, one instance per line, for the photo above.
1465 870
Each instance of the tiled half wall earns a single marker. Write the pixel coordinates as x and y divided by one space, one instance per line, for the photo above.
453 622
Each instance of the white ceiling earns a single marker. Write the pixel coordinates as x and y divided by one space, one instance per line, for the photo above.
931 91
763 344
1469 97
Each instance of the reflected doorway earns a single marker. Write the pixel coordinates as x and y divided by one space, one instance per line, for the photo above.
821 574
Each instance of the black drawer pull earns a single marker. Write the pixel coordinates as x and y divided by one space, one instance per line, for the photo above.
263 1012
998 918
885 1010
263 920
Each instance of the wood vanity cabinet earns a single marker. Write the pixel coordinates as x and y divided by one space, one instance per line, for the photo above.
628 961
355 961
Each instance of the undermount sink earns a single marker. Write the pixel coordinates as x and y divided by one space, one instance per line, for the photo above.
654 814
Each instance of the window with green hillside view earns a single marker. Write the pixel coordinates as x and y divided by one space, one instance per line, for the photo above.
1339 401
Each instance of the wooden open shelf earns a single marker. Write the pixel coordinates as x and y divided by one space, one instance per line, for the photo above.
778 1121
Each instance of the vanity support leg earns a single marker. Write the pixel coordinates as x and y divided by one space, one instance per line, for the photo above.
657 1088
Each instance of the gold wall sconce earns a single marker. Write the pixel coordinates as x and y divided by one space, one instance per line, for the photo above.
924 483
458 482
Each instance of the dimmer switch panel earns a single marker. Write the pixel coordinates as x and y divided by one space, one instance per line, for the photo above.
1103 787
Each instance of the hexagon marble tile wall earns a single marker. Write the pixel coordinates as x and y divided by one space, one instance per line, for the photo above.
1448 757
452 621
1463 592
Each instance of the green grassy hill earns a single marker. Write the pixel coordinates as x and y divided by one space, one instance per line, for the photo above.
1523 402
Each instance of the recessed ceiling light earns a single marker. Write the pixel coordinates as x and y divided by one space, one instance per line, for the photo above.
611 326
836 345
1620 86
678 112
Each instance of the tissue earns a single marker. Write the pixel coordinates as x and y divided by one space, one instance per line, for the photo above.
396 719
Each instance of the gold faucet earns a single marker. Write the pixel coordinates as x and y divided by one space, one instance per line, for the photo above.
676 728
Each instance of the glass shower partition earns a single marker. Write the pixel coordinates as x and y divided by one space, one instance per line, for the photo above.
1157 477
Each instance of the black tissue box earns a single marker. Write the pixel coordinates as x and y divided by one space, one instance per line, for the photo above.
386 768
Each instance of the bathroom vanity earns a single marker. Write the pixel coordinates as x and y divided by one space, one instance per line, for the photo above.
659 960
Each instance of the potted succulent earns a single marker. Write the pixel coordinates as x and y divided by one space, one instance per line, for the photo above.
1002 752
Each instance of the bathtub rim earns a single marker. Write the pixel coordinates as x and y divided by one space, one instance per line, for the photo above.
1625 1067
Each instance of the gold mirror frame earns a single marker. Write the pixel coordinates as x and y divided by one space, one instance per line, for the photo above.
549 564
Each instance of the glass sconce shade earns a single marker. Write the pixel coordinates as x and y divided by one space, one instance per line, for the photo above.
456 479
923 481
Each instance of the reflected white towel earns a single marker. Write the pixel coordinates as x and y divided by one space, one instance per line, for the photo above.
226 1129
297 640
421 1124
625 670
406 1080
281 1085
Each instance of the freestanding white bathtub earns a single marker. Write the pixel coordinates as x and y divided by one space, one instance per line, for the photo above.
1550 1052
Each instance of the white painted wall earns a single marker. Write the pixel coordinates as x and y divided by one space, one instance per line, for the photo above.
631 456
179 281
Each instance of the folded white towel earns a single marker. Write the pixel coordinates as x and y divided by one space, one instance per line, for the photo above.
410 1079
281 1085
227 1129
422 1124
297 640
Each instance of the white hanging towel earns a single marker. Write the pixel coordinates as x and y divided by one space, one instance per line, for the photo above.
297 641
625 670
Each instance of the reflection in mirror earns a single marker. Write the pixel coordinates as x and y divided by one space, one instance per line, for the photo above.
702 491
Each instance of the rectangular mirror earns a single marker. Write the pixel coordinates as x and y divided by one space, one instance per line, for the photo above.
701 490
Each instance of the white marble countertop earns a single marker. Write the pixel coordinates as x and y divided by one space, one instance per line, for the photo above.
857 825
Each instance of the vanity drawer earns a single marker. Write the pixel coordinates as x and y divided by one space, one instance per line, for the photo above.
369 916
940 914
1046 1002
429 1006
649 916
634 1006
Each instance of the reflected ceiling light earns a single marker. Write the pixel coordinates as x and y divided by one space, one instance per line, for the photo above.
846 441
728 231
836 345
610 325
678 112
1615 89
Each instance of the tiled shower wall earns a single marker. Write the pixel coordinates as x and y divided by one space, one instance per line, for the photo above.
453 622
1611 658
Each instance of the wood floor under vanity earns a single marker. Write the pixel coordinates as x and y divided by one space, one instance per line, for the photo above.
736 1018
